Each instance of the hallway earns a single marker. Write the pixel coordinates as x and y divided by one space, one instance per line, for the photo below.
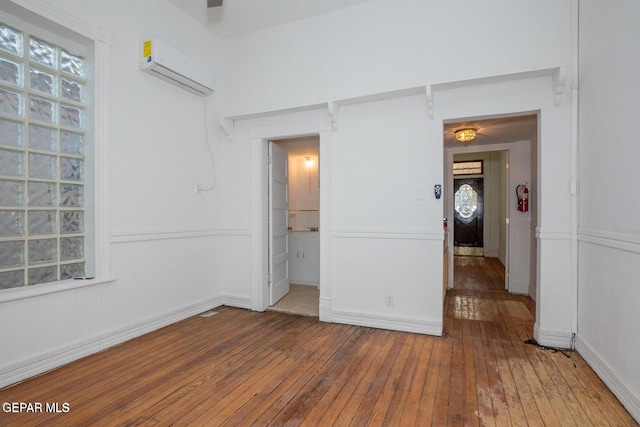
499 378
479 303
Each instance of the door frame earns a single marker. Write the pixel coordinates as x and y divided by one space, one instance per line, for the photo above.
260 136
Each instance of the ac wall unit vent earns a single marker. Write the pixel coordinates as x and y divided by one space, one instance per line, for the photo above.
169 64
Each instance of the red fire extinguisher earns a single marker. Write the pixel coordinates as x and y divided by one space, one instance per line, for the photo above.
522 191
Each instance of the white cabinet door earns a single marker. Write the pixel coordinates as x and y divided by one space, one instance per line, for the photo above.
311 264
304 258
295 256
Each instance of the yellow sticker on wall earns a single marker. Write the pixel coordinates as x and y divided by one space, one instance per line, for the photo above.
146 48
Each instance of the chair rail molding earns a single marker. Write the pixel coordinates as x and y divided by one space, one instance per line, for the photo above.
620 241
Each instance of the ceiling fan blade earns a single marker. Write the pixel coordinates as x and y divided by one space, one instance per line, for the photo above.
214 3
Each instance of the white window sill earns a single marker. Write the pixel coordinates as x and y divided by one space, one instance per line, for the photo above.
24 292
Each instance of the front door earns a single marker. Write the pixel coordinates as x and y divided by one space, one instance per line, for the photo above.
278 223
468 213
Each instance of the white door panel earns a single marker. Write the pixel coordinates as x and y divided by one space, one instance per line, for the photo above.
278 223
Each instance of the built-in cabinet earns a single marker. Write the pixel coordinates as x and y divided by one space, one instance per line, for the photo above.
304 258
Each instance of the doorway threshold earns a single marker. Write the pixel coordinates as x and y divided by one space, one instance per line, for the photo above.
468 251
302 300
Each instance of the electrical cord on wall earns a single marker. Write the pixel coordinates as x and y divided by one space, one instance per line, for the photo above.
213 162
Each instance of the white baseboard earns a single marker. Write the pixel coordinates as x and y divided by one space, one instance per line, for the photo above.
325 310
237 301
557 339
45 362
387 322
615 384
518 288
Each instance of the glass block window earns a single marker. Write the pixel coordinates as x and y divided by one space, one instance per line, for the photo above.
42 160
468 168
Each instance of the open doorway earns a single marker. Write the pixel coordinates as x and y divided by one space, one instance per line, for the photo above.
493 245
480 204
302 225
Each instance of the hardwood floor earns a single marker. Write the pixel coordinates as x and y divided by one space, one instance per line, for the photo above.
242 368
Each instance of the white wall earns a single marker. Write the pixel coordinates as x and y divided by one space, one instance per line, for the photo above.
375 211
386 222
384 152
384 45
168 244
609 233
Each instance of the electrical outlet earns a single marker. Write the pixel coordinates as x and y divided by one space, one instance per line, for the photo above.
388 299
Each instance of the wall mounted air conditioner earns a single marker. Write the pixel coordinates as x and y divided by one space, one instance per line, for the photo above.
169 64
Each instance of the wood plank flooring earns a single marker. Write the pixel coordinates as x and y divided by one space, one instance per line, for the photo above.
240 368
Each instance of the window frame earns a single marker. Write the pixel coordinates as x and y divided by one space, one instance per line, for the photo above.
467 174
75 34
52 94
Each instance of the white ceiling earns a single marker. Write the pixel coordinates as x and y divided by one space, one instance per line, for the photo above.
237 17
494 131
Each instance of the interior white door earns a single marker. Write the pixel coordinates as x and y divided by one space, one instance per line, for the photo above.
278 223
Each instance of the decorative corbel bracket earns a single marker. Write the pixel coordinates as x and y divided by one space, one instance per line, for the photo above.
226 125
429 93
333 114
559 83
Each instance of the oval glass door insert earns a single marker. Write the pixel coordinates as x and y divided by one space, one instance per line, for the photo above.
466 201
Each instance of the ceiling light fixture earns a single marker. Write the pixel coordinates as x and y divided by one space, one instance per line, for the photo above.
466 135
